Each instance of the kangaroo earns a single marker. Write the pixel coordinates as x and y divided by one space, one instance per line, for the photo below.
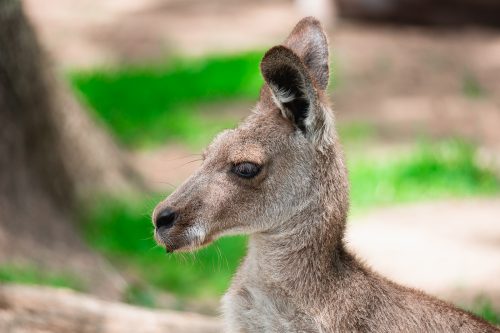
281 178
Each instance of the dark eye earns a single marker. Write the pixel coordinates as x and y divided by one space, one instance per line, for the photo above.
246 170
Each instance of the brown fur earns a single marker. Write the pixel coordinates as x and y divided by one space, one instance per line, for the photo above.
297 275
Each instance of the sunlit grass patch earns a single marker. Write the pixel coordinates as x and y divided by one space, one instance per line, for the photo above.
145 105
484 309
356 132
29 274
446 169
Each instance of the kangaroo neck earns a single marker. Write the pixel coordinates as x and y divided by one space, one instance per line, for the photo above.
309 250
300 257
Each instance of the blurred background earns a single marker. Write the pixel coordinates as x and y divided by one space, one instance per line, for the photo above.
105 107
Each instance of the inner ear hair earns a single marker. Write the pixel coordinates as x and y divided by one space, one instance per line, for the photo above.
287 86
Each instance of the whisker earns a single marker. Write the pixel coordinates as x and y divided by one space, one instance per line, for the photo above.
148 238
225 260
185 258
193 257
183 157
196 160
153 247
219 256
165 182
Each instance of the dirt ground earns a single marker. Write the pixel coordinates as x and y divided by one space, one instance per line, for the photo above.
450 249
407 82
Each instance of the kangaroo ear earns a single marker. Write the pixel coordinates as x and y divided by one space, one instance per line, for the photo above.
308 40
295 93
297 73
289 82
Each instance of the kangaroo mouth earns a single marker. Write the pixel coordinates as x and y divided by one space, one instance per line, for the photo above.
168 240
180 238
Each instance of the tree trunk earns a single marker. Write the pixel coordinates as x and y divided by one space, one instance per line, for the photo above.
51 157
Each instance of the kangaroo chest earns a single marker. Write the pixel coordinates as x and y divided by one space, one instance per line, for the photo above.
250 308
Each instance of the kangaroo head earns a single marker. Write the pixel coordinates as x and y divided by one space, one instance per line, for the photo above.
256 177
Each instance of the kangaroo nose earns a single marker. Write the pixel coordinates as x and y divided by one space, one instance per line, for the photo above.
165 219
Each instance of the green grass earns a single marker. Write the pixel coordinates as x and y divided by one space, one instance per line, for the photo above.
356 132
446 169
484 309
27 274
122 228
471 87
146 105
489 314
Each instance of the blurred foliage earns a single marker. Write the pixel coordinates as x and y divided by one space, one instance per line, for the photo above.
446 169
121 228
355 132
140 294
484 309
145 105
28 274
471 87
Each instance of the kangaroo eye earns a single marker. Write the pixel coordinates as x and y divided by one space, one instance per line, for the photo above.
246 169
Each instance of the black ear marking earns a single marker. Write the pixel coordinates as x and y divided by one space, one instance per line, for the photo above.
287 86
288 79
297 75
